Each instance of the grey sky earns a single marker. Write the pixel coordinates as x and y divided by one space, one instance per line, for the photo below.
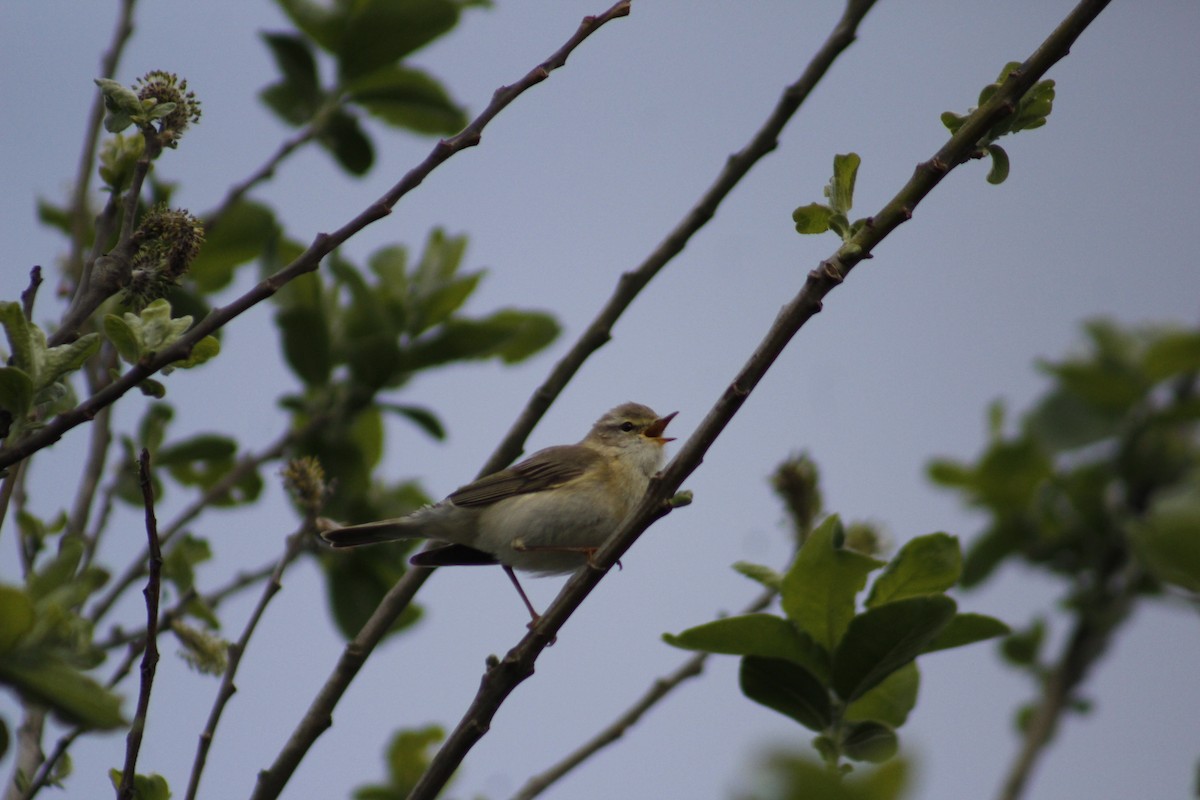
577 182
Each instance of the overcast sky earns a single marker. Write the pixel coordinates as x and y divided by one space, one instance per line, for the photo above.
577 182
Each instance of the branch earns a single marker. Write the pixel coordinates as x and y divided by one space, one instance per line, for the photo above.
764 141
83 173
310 259
503 676
133 741
692 668
1094 628
295 544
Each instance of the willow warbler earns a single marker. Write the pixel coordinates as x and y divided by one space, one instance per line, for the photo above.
547 514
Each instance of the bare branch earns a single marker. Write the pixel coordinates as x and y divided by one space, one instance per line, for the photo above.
295 544
504 675
30 292
133 741
1094 627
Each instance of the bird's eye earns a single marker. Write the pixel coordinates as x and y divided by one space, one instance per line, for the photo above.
627 426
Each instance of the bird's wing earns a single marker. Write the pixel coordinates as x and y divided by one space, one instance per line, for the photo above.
452 555
544 470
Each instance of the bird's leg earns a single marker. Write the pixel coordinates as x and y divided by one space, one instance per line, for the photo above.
512 576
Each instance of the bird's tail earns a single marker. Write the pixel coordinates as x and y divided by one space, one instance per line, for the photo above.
384 530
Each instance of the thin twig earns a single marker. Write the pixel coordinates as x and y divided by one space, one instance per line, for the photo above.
1096 623
657 692
266 171
504 675
763 142
133 741
30 292
295 544
309 260
87 154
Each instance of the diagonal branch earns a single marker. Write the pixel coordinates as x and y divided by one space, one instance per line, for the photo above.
310 259
736 167
295 544
504 675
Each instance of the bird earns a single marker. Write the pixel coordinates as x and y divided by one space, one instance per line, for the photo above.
548 514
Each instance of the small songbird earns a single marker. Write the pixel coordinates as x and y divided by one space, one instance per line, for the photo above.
548 514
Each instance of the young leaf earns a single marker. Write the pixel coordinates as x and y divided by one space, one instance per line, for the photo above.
883 639
892 700
757 572
787 688
16 392
967 629
812 218
841 187
762 635
43 679
869 741
925 565
1000 165
820 587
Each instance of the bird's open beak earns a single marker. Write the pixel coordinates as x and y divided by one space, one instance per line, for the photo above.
656 428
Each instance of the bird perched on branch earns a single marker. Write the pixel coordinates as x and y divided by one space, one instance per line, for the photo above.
548 514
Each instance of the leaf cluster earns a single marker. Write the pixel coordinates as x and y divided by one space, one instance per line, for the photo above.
848 675
1107 460
1031 112
369 41
834 214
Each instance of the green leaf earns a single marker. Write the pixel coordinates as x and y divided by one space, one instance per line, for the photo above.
787 688
239 235
1062 420
204 350
408 756
59 571
16 617
1168 538
1023 647
819 589
121 104
1000 165
148 332
180 561
145 787
869 740
891 700
966 629
436 306
379 33
509 335
812 218
407 98
953 121
16 392
1173 353
757 572
323 23
43 365
423 418
307 343
345 139
294 57
925 565
762 635
358 579
841 188
883 639
72 695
